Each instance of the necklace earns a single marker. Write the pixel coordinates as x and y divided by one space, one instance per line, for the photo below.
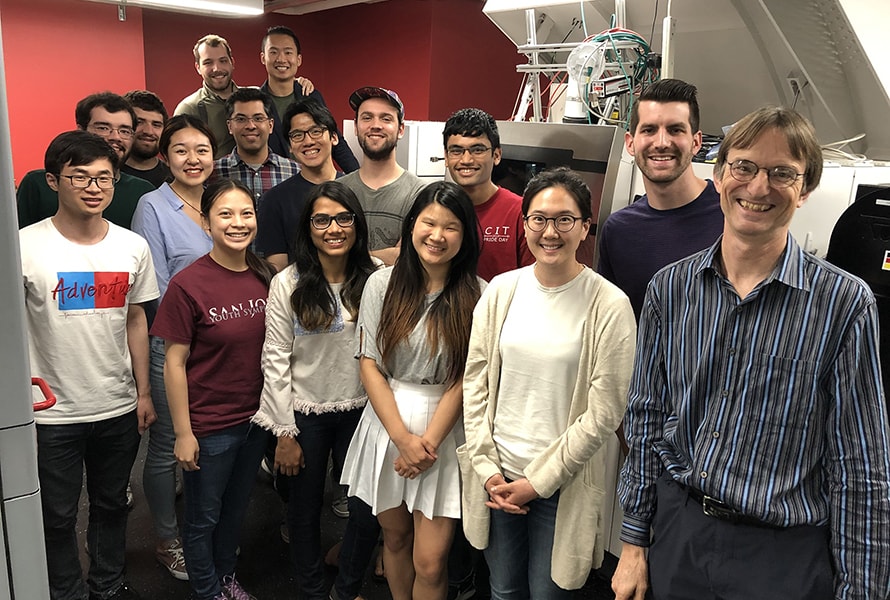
190 205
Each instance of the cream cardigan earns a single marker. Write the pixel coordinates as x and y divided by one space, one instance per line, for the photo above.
573 463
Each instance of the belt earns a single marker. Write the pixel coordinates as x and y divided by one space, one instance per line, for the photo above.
722 511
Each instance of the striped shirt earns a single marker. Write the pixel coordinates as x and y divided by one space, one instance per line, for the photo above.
272 172
771 404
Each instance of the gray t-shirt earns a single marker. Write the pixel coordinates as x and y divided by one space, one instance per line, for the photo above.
411 362
386 207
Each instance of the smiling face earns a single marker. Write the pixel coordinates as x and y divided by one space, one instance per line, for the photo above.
280 57
250 137
311 153
469 170
337 240
107 125
437 235
755 211
190 157
149 125
231 222
663 144
551 248
377 128
85 203
215 67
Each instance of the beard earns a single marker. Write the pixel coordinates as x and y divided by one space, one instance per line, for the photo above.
380 153
140 153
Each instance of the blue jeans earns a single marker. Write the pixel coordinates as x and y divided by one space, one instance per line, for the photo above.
107 449
519 550
321 435
159 473
216 498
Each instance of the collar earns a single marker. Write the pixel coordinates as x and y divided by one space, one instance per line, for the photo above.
209 92
235 159
788 270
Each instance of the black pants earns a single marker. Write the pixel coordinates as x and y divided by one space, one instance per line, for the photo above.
698 557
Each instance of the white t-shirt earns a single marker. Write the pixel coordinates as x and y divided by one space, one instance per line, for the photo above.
540 347
76 300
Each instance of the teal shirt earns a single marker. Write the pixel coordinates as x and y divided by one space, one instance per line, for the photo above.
37 201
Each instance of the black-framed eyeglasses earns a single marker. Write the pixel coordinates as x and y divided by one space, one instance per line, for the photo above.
322 221
104 130
779 177
563 223
241 120
298 135
458 151
82 182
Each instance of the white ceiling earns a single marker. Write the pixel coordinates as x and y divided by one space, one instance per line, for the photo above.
302 7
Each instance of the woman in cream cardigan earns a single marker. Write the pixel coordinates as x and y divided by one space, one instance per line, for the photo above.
545 385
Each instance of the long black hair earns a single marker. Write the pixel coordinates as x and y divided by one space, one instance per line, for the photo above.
313 300
451 313
219 186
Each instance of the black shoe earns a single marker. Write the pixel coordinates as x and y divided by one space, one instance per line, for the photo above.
465 590
124 592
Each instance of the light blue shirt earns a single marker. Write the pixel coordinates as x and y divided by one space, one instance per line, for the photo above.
174 239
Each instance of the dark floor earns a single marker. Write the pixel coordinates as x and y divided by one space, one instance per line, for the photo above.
263 568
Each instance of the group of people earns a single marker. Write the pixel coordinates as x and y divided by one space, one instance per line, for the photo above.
442 346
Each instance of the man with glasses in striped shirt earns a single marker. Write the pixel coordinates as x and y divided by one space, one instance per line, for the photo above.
758 463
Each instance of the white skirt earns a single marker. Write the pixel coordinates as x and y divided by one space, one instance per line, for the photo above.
369 467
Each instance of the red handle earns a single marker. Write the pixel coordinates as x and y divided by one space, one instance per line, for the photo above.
50 398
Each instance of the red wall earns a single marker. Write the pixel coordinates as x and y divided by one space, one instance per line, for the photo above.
439 55
55 53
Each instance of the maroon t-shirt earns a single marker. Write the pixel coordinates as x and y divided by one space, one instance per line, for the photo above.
221 315
503 238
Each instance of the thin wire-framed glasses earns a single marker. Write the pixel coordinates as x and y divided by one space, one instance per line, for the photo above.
104 130
82 182
322 221
298 135
458 151
241 120
563 223
779 177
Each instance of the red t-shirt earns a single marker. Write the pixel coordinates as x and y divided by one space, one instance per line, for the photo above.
221 315
503 238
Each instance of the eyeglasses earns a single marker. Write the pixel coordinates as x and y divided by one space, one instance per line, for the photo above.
458 151
298 135
563 223
323 221
104 130
82 182
779 177
241 120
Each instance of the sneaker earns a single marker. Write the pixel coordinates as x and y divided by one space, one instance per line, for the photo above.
233 589
464 590
124 592
340 507
170 556
129 495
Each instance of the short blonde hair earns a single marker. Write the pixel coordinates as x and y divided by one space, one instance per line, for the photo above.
214 41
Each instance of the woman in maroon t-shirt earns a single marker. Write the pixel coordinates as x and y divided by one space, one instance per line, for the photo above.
212 319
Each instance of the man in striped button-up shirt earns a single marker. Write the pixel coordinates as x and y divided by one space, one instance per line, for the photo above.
758 463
